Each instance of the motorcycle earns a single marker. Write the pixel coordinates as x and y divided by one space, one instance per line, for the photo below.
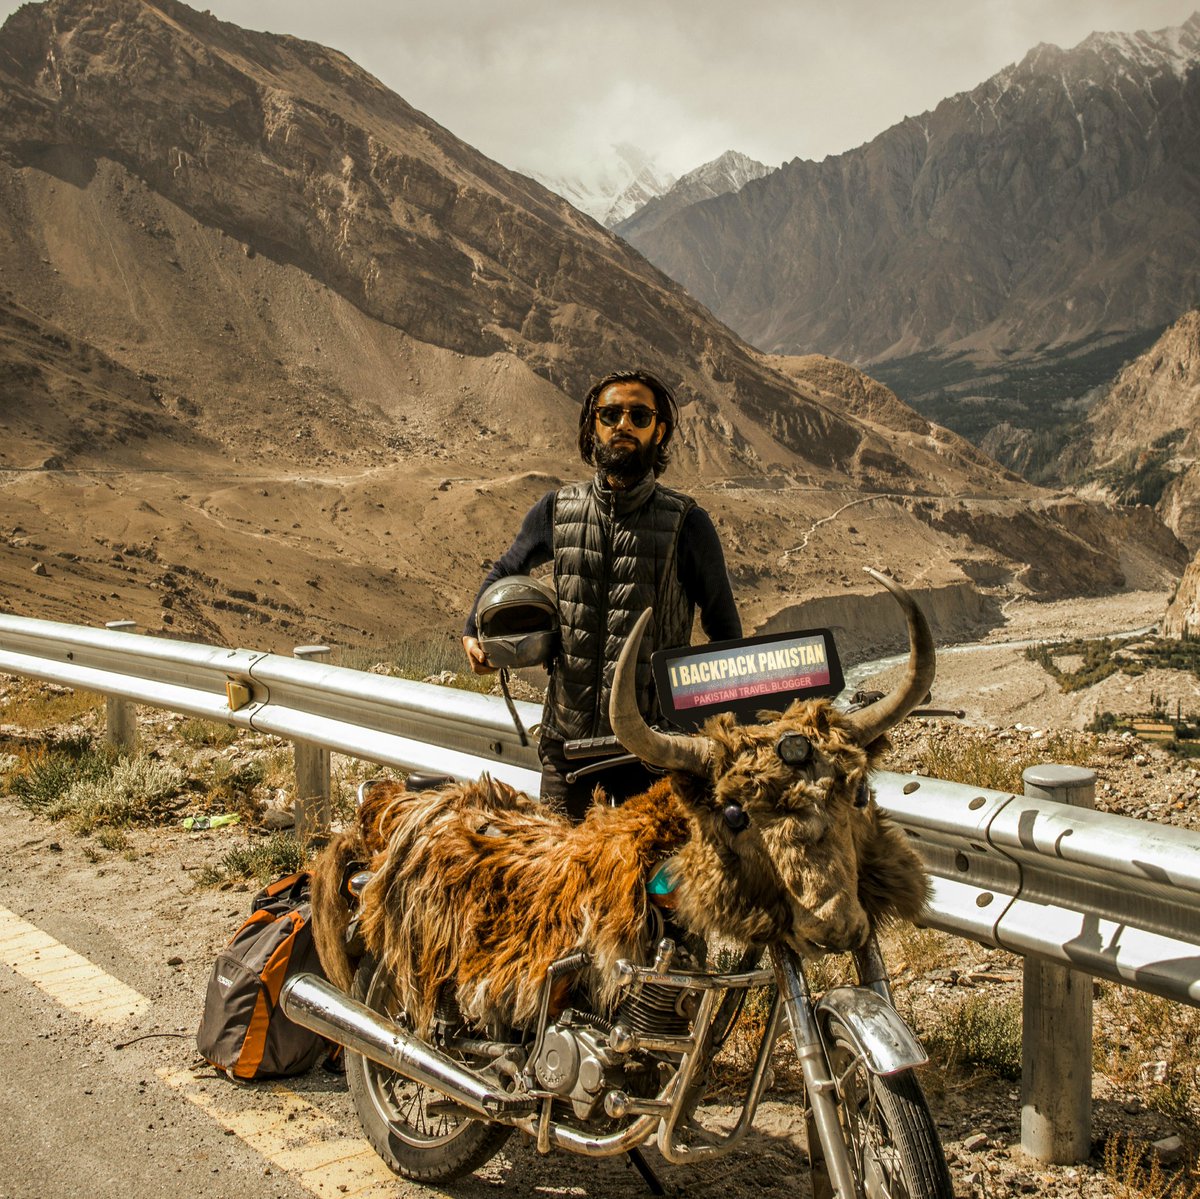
610 1053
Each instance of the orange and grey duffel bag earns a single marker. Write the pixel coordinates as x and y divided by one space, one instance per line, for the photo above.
243 1030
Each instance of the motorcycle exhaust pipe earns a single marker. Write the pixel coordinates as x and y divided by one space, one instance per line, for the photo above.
316 1004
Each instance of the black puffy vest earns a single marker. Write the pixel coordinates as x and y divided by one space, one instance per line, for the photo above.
614 556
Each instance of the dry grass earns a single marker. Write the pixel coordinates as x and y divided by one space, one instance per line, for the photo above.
978 760
34 705
230 787
1138 1174
1153 1042
440 658
906 947
197 733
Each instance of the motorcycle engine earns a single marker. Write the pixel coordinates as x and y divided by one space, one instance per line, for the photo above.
576 1063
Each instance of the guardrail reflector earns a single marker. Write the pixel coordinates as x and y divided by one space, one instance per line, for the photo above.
238 694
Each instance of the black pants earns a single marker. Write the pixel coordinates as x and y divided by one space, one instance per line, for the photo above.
617 782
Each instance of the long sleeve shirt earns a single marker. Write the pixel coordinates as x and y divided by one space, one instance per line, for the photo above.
699 561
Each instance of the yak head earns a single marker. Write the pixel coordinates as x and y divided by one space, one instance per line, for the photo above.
786 841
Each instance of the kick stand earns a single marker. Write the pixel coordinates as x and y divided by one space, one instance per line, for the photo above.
643 1168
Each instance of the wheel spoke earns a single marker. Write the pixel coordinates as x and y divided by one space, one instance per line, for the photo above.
864 1099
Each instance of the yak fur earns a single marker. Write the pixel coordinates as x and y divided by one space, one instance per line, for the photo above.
480 887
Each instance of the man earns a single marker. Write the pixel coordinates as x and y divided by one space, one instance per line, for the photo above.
619 543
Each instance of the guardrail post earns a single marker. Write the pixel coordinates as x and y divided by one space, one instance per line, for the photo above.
312 809
1056 1019
120 713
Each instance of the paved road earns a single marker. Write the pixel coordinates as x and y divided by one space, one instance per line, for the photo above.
86 948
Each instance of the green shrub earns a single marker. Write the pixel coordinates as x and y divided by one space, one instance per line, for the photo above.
47 773
135 791
981 1031
262 859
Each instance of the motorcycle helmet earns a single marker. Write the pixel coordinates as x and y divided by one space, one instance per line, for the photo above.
517 619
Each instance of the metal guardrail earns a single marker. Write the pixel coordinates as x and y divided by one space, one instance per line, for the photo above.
1108 895
1113 897
395 722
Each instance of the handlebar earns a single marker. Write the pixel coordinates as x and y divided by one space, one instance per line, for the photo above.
592 747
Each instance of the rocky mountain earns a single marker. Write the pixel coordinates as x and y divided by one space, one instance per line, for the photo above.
1141 440
1182 618
283 360
728 173
1051 210
620 186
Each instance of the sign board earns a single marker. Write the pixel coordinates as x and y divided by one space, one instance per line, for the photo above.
745 676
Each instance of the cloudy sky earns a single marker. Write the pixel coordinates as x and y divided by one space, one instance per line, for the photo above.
551 86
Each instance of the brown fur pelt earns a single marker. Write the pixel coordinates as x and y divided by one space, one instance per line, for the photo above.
360 844
485 887
482 888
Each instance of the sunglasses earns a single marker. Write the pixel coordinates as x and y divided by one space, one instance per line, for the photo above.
640 416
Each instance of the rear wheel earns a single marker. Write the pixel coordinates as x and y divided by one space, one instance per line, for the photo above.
894 1147
416 1132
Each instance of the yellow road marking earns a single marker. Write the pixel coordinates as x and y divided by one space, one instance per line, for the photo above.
299 1138
293 1135
66 976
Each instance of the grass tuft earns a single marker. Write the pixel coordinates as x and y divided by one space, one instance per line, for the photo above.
44 774
263 860
980 1031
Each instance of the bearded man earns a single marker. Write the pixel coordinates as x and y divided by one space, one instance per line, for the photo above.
620 543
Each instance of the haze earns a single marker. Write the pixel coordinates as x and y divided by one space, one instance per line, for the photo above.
550 87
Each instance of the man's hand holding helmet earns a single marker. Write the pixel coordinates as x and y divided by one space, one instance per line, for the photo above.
476 656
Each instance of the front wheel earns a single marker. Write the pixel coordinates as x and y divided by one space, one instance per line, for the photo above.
407 1124
894 1147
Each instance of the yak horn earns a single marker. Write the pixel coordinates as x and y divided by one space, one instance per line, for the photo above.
669 752
875 720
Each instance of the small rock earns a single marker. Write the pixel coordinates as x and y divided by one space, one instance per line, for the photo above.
276 820
39 568
975 1141
1154 1072
1169 1150
175 961
1024 1184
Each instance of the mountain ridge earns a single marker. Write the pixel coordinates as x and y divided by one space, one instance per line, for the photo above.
359 346
1032 210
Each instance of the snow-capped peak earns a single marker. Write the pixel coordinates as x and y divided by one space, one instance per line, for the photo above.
616 188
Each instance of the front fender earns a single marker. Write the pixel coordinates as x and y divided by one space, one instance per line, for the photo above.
878 1033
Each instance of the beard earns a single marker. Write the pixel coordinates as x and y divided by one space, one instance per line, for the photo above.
625 462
